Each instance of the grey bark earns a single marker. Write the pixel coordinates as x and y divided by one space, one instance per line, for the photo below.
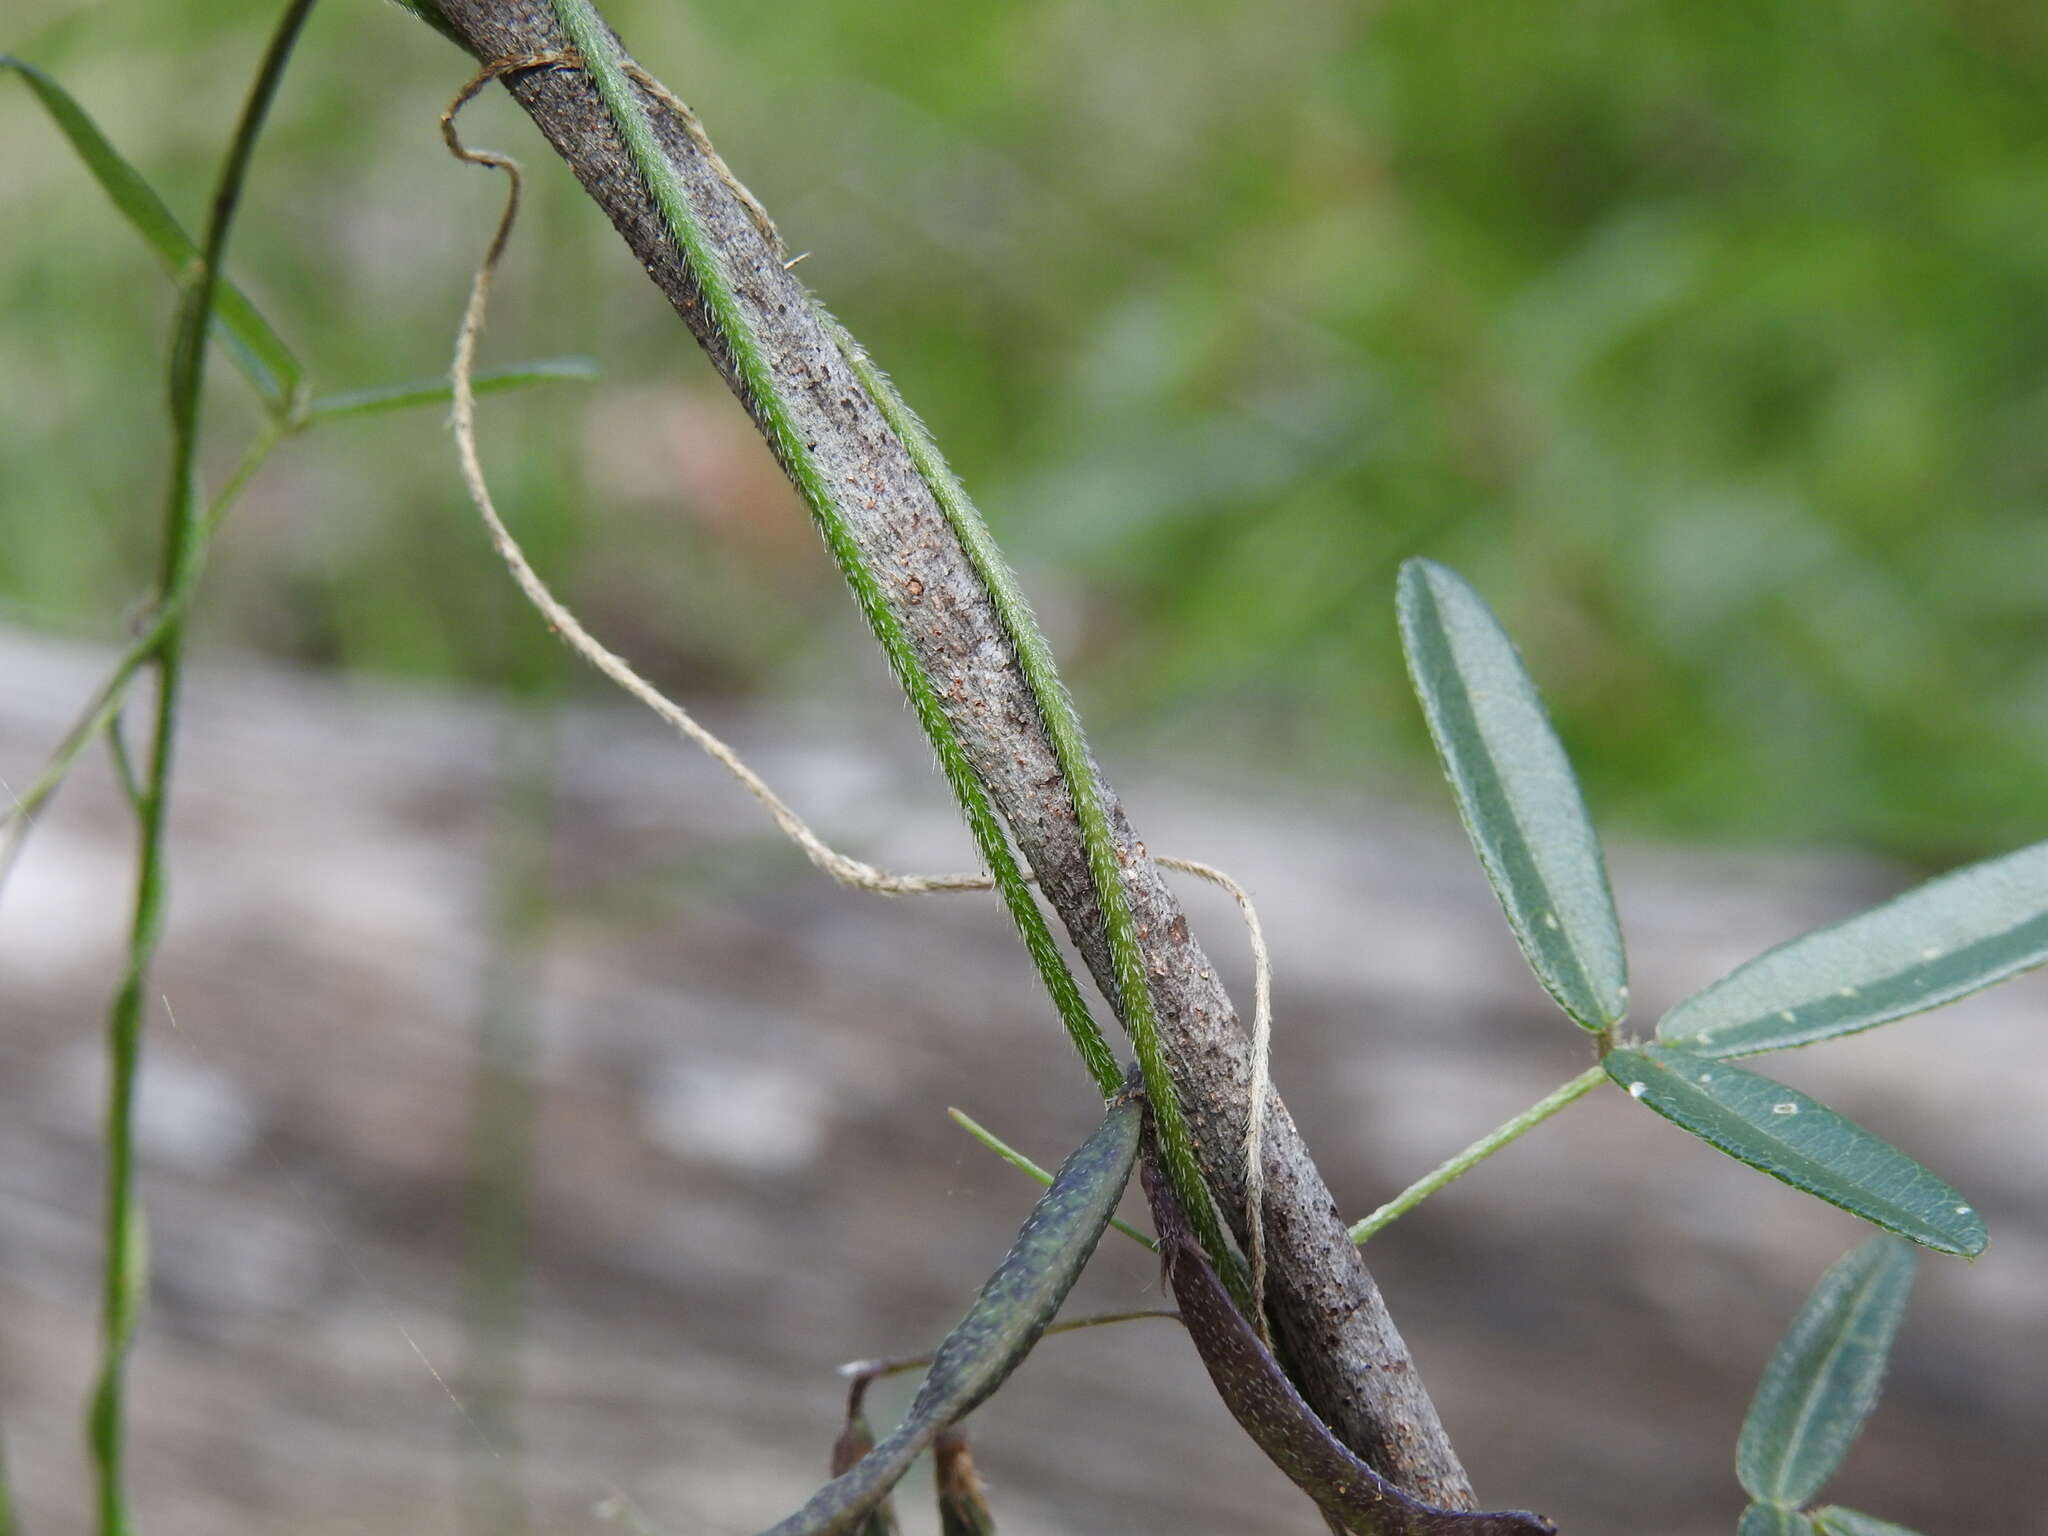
1332 1326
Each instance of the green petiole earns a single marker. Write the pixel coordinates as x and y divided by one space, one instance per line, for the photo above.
1478 1152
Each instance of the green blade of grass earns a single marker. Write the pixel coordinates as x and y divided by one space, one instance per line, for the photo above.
1823 1379
1007 1318
1796 1139
487 381
256 349
1938 942
1516 792
124 1265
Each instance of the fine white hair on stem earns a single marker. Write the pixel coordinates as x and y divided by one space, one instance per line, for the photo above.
849 871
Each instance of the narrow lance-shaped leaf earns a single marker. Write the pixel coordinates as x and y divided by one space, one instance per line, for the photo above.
1516 792
1013 1309
1823 1381
1262 1399
1773 1520
489 381
256 349
1938 942
1782 1132
1837 1521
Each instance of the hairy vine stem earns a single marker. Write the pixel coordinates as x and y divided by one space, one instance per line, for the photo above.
920 579
855 873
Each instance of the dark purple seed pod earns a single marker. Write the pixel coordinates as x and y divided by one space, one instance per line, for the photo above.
1020 1299
1352 1496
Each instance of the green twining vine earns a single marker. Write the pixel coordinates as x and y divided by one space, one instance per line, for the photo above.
600 56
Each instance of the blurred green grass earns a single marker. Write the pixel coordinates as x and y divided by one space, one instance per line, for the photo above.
1710 342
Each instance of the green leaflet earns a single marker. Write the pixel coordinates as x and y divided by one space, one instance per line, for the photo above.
1013 1309
1516 792
1782 1132
487 381
1773 1520
1938 942
1837 1521
1824 1379
256 349
1351 1495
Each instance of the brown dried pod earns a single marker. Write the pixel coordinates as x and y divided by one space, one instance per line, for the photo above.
963 1502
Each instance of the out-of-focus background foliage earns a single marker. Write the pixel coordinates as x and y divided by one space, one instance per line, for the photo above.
1711 341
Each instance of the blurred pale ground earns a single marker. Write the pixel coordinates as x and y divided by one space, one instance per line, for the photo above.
1712 342
744 1174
